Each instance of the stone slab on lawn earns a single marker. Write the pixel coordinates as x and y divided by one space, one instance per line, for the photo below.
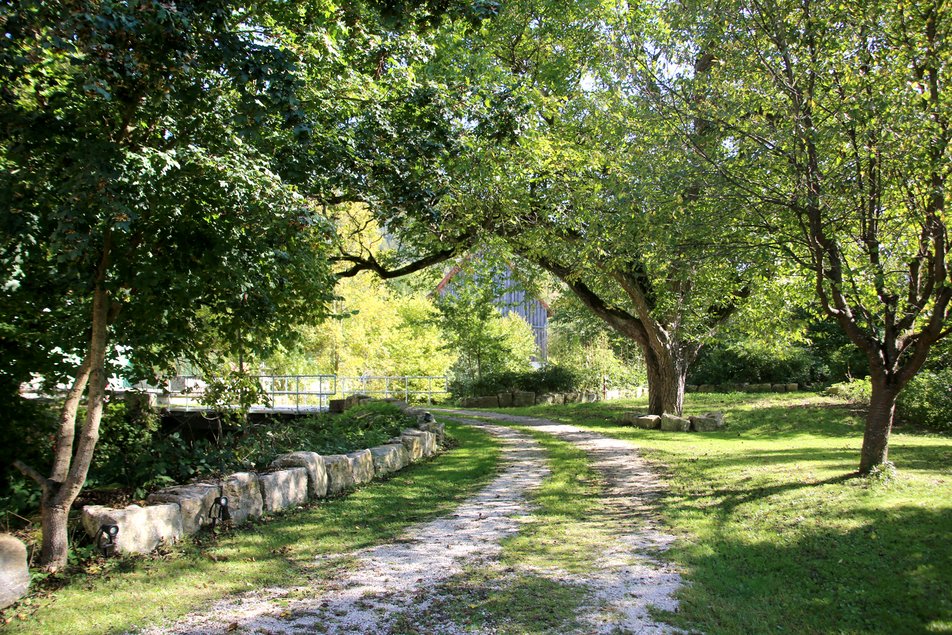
505 399
672 423
793 387
340 473
14 572
589 397
706 424
631 417
522 398
141 529
313 463
572 397
194 502
244 496
648 422
283 489
389 458
362 465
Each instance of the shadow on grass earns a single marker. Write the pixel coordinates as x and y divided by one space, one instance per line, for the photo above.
891 574
283 551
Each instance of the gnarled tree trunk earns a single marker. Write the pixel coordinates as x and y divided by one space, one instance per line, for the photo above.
666 379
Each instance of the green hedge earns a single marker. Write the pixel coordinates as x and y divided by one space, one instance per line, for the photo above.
927 400
547 379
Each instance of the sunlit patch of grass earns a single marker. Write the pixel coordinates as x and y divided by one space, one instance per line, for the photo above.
281 552
504 600
567 530
777 534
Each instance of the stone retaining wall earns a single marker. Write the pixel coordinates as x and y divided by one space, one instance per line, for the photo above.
787 387
293 479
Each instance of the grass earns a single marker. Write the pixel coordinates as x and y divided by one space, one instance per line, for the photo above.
279 552
523 593
776 532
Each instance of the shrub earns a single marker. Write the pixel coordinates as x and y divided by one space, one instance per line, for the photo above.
927 400
546 379
856 390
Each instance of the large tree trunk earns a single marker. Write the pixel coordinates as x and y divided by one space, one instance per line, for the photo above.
666 377
879 421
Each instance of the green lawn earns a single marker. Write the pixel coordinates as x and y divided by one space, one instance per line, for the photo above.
777 535
279 552
515 596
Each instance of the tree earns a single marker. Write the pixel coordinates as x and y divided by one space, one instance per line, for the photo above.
837 131
572 166
485 341
144 215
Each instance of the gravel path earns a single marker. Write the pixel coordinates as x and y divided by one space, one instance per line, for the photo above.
630 574
398 579
390 578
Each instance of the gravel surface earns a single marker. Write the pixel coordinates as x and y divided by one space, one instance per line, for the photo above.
392 577
396 581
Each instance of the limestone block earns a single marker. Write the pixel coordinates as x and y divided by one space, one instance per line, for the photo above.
671 423
589 397
793 387
389 458
706 423
362 465
631 417
649 422
572 397
283 489
429 424
414 445
194 502
337 406
550 398
522 398
313 463
340 473
778 388
14 572
244 496
428 440
141 529
489 401
505 399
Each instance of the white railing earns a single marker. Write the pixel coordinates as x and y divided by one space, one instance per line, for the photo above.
303 393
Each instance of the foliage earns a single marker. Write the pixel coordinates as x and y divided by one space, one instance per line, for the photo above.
289 551
549 378
927 400
855 390
721 364
136 456
485 341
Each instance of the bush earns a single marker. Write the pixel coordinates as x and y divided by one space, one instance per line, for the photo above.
856 390
546 379
927 400
134 456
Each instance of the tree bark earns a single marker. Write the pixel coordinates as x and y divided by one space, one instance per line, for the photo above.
666 378
879 421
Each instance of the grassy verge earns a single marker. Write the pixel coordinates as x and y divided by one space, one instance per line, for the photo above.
776 533
523 592
279 552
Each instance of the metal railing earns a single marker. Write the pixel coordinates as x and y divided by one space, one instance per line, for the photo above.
414 388
303 393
